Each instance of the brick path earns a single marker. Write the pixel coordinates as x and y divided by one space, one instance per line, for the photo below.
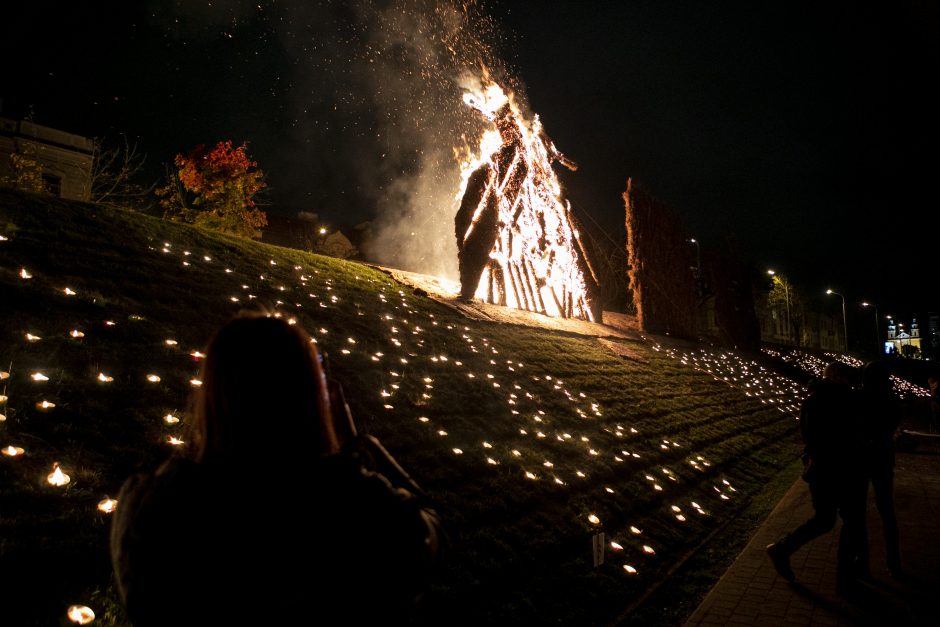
751 593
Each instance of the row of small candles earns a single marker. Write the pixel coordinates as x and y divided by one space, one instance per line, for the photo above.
815 366
744 374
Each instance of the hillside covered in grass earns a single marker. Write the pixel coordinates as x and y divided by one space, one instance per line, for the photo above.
531 442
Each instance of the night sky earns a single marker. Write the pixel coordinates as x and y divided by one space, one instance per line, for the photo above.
805 131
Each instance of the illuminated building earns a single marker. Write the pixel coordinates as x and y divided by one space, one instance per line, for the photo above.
898 339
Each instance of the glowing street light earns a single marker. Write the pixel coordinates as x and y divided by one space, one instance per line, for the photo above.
697 268
786 293
877 332
845 327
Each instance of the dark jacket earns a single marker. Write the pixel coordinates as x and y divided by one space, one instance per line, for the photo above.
880 414
831 430
237 544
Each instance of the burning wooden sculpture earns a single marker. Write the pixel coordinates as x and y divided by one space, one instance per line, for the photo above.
518 244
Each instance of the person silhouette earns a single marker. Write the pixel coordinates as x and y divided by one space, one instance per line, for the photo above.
880 415
276 508
834 472
933 383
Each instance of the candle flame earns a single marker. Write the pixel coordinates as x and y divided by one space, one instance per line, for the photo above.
104 378
57 477
153 378
107 505
81 614
13 451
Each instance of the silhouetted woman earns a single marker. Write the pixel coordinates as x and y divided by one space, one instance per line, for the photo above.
277 513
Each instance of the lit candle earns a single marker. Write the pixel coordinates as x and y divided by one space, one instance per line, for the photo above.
153 378
81 614
57 477
44 405
13 451
4 375
107 505
104 378
75 333
24 274
594 520
170 419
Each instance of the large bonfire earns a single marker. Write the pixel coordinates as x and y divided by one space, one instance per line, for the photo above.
518 242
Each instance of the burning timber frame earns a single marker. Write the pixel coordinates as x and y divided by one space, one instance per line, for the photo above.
518 242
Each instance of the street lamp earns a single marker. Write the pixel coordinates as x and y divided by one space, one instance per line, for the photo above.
845 327
877 332
697 269
786 295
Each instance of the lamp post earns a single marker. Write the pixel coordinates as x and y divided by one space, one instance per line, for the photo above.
786 296
697 269
845 327
877 332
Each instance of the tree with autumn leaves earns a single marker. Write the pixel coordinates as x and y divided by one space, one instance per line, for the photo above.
215 188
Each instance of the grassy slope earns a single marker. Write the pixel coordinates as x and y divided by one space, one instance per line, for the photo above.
612 429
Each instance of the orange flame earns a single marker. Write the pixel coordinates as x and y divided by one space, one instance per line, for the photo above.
511 203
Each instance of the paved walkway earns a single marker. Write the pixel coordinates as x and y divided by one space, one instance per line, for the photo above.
751 593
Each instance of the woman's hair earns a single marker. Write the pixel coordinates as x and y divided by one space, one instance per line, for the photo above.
263 389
